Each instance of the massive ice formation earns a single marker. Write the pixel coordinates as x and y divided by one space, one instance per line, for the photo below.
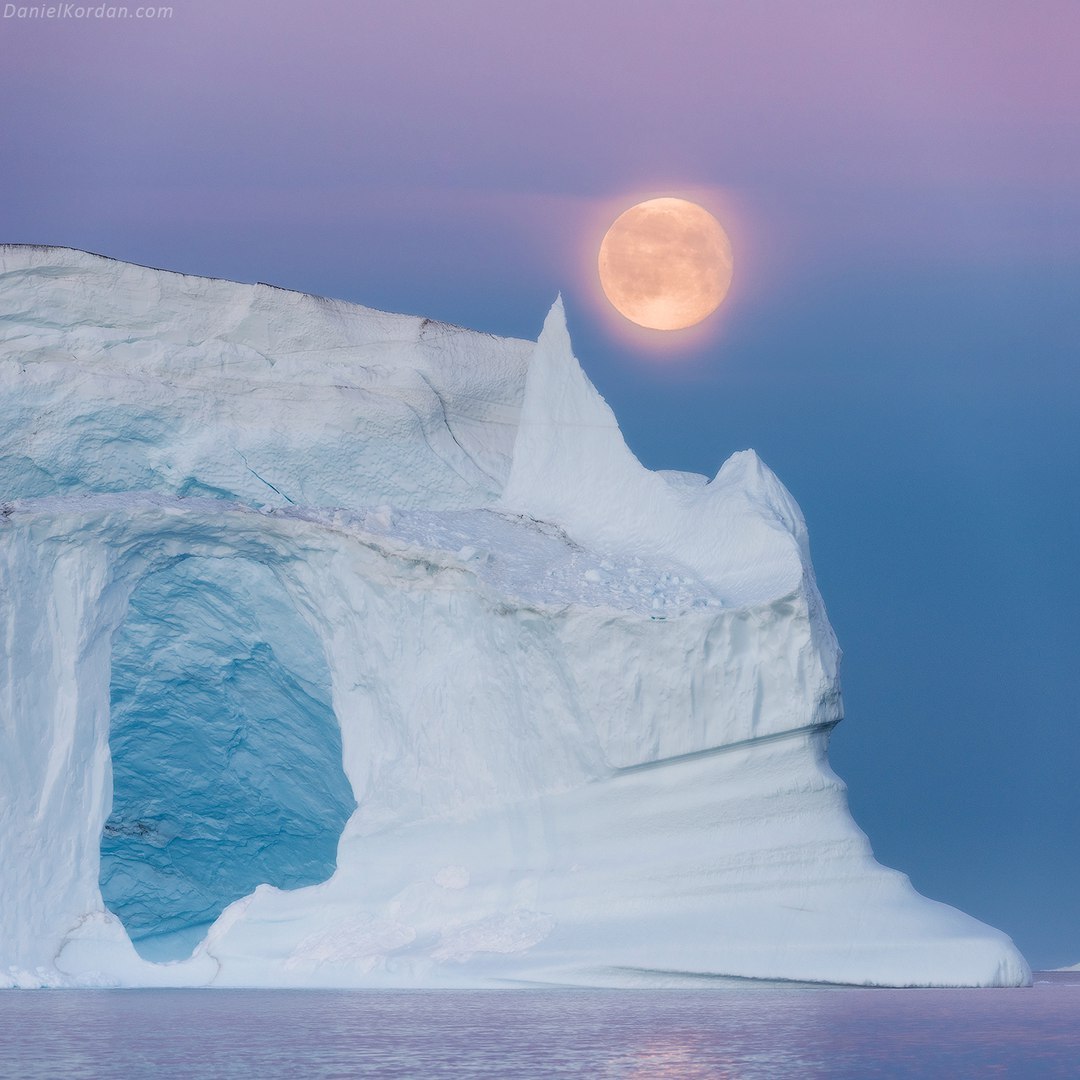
350 649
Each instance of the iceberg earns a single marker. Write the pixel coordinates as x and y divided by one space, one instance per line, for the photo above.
350 649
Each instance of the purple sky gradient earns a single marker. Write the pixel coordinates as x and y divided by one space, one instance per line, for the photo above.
865 123
901 182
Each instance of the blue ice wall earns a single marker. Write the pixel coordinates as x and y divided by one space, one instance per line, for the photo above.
226 752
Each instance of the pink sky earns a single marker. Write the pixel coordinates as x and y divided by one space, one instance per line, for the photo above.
901 181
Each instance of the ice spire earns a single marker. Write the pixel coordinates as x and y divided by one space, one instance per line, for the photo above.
571 466
564 424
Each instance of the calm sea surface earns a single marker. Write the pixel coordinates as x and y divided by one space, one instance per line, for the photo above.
588 1033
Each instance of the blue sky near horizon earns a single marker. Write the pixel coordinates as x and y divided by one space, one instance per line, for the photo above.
901 343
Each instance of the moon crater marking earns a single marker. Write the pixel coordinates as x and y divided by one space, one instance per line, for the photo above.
665 264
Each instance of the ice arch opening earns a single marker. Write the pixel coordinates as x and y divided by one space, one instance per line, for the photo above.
226 753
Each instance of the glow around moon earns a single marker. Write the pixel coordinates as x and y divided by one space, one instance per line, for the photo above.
665 264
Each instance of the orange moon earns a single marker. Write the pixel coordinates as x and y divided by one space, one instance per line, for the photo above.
665 264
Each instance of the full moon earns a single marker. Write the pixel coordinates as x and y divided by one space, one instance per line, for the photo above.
665 264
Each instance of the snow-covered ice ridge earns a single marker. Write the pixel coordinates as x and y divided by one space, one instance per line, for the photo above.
343 648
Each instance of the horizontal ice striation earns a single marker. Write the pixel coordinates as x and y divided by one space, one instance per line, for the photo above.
582 708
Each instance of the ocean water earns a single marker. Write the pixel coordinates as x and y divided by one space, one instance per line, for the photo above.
544 1033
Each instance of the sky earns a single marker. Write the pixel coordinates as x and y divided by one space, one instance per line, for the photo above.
901 183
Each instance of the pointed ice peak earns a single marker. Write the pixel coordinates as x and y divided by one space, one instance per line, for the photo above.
555 320
762 488
569 447
557 390
741 463
572 467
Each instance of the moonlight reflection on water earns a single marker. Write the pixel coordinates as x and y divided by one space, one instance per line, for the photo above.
682 1034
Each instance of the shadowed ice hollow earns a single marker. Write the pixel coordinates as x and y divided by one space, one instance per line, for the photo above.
226 753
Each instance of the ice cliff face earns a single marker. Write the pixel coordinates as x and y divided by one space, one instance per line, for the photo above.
348 649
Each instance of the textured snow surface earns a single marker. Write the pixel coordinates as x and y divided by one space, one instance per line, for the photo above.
349 649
